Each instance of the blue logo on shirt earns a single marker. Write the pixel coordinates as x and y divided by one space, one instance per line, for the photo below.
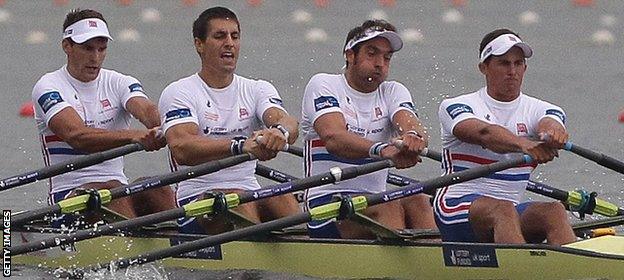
408 105
49 99
457 109
177 114
557 113
324 102
276 101
135 87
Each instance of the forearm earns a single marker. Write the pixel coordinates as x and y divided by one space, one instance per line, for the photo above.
347 145
196 150
500 140
144 110
292 126
91 140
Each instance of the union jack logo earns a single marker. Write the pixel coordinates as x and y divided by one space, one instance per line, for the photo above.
92 23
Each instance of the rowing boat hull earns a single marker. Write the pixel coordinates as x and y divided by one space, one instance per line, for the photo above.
598 258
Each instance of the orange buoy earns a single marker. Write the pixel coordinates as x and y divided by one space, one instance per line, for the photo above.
27 110
321 3
458 3
124 2
583 3
189 3
254 3
387 3
621 118
60 2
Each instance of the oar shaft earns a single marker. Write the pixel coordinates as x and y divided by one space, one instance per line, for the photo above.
25 217
325 211
152 182
214 240
315 181
67 166
447 180
101 230
598 158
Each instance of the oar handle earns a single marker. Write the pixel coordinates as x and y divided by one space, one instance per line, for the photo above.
260 140
67 166
425 152
598 158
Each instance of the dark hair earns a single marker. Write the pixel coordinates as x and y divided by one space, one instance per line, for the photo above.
493 35
378 24
76 15
200 26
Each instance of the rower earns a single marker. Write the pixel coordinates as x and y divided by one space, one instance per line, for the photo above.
216 114
493 124
82 108
349 119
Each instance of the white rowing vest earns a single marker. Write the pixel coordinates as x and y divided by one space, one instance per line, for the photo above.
368 115
235 110
101 103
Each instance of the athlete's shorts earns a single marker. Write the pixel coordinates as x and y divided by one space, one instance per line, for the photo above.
461 231
189 225
324 228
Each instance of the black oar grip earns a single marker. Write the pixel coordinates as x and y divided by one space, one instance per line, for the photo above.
598 158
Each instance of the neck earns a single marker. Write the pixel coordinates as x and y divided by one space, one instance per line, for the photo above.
355 83
75 74
216 79
502 95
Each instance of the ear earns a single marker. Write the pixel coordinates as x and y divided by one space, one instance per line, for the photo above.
482 67
199 45
350 57
67 46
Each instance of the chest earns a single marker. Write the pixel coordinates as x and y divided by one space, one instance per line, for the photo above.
367 118
226 117
97 108
517 120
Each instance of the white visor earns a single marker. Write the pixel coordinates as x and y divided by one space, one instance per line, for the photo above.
89 28
502 44
395 40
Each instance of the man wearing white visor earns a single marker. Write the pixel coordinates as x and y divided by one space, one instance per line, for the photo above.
349 119
494 124
82 108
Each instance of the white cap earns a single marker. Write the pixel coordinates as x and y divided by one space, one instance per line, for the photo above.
395 40
502 44
85 29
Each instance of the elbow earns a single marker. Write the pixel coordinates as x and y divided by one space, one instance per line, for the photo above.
332 145
180 155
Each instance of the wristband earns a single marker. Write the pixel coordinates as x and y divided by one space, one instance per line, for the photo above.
236 145
282 129
375 150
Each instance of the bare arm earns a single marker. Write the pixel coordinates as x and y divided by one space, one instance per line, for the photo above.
274 116
413 134
144 110
500 140
189 148
332 129
557 135
68 125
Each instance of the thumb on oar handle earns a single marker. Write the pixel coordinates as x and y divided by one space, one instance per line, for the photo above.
398 143
260 140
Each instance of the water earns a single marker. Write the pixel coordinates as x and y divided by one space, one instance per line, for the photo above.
567 69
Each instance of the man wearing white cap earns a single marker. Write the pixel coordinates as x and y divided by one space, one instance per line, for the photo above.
494 124
350 119
82 108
